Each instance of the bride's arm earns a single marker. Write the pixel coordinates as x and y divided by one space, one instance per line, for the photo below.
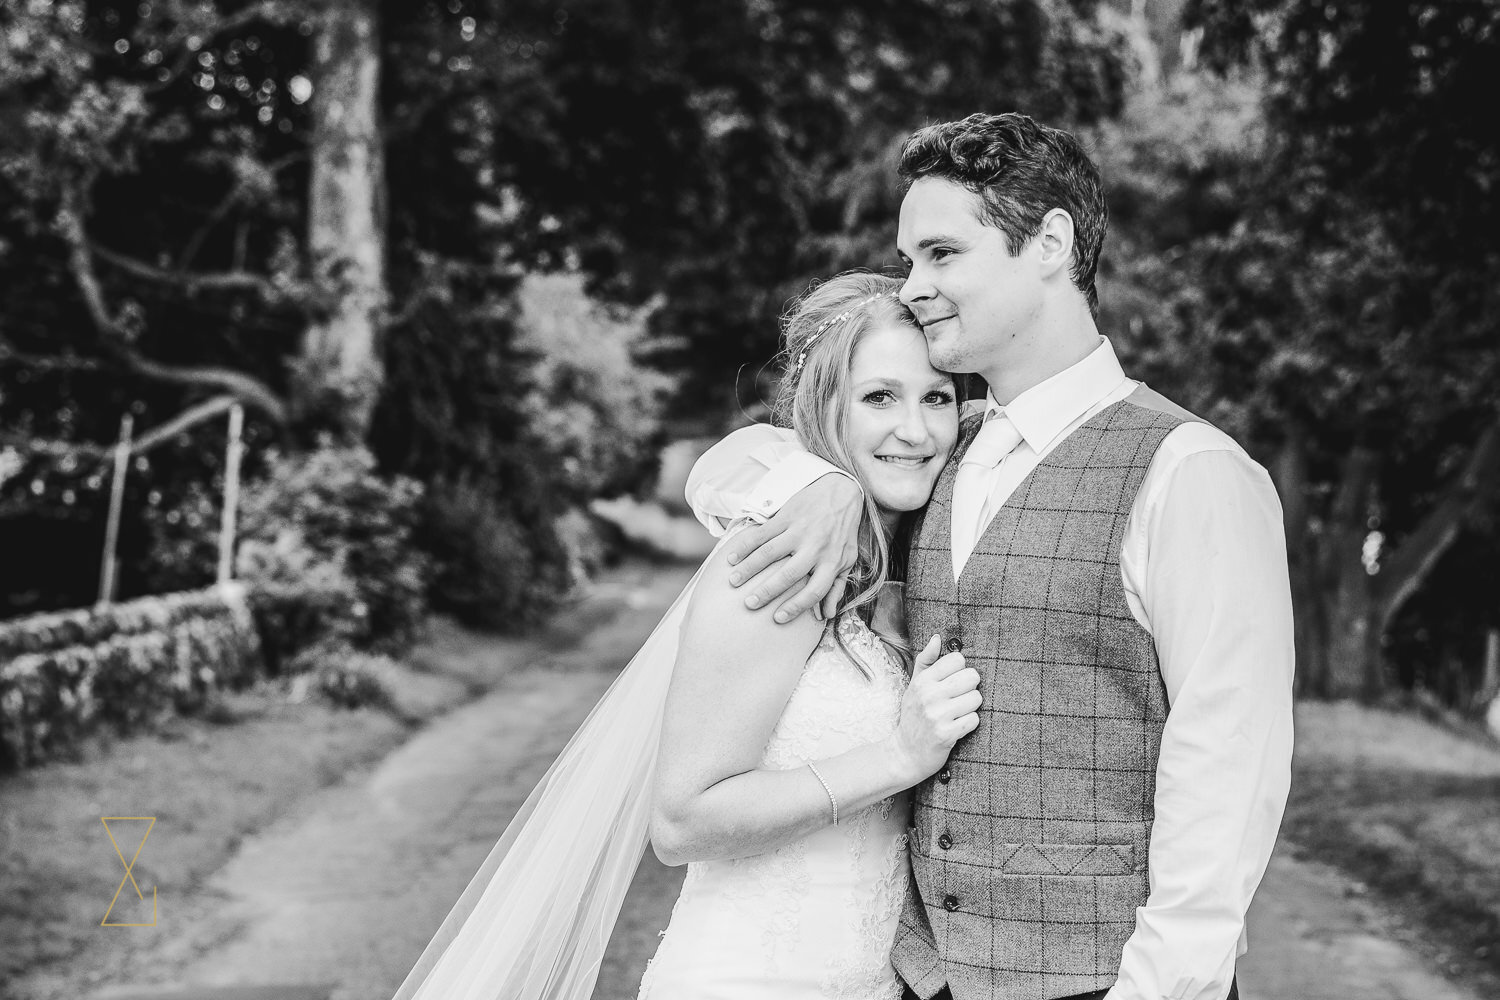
735 671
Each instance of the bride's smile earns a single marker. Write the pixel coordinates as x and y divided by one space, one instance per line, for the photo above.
902 415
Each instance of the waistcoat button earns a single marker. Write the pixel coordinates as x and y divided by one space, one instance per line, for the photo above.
945 841
955 643
943 776
950 903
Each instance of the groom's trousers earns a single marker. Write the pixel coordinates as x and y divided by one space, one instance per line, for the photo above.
943 994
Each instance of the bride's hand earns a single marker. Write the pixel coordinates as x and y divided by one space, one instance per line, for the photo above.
941 705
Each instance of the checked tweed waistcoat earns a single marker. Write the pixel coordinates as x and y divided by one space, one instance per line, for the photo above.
1029 848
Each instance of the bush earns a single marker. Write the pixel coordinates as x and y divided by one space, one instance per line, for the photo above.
491 572
351 679
182 529
65 673
324 522
593 410
299 598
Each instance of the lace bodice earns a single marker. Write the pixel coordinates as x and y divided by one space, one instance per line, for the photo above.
815 917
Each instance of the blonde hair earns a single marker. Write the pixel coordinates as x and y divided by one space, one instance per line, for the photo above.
820 332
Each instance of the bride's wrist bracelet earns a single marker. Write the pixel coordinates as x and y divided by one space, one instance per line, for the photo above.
832 799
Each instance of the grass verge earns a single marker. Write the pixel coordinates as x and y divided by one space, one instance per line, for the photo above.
212 780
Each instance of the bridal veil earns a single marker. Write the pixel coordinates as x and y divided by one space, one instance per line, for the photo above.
534 921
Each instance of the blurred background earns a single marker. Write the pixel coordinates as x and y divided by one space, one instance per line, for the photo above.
352 356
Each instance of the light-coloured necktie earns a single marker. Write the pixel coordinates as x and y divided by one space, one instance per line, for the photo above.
972 486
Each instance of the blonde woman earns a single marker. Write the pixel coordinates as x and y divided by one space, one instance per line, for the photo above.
772 759
787 749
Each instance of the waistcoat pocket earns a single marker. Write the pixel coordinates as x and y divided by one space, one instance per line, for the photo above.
1065 859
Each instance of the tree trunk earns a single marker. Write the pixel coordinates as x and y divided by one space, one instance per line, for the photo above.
341 366
1339 594
1355 667
1309 618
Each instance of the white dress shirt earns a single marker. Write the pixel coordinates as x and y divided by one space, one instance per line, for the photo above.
1204 568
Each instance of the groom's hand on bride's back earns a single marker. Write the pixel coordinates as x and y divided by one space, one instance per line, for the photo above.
800 555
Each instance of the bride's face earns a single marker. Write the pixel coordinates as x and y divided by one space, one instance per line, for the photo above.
903 417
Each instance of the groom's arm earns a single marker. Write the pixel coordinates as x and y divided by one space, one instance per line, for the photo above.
807 513
751 473
1218 599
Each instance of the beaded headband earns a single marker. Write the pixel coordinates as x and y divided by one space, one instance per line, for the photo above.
802 357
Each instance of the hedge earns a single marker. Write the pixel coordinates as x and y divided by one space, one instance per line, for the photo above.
64 674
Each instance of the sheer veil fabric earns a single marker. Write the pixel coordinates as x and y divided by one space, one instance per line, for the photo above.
534 920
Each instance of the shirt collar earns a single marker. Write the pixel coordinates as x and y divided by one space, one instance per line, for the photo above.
1042 412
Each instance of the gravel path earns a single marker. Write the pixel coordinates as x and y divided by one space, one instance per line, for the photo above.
1314 937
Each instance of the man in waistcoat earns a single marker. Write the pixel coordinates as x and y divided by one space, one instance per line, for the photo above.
1115 569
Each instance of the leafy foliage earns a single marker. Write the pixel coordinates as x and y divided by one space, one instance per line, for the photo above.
302 601
593 408
356 680
324 514
491 571
756 150
1315 270
154 168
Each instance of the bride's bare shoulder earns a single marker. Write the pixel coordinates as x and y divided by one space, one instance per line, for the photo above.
723 631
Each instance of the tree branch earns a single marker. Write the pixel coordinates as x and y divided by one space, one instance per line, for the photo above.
116 339
246 388
194 282
1411 563
195 242
242 387
70 221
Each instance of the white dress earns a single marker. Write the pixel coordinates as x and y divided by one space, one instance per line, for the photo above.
815 917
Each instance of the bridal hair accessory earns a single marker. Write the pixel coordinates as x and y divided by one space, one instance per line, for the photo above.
824 782
802 357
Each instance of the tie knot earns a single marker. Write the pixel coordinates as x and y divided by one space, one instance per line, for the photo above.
997 438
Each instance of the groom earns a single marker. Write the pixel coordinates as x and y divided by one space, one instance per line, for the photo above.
1113 566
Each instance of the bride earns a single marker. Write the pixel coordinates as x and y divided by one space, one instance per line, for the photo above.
773 759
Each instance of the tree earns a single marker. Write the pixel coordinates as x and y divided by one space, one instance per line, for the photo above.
323 209
346 224
1336 301
719 156
723 156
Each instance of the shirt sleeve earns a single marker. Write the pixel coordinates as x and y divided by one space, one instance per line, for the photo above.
1217 595
752 473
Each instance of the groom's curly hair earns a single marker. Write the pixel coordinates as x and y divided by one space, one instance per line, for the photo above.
1021 170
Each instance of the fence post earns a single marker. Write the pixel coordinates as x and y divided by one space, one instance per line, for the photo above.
116 500
231 493
1489 684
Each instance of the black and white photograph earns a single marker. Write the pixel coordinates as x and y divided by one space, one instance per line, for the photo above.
760 500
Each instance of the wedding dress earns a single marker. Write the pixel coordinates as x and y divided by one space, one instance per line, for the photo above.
816 917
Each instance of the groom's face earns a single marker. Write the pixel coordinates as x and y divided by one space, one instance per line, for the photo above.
973 300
